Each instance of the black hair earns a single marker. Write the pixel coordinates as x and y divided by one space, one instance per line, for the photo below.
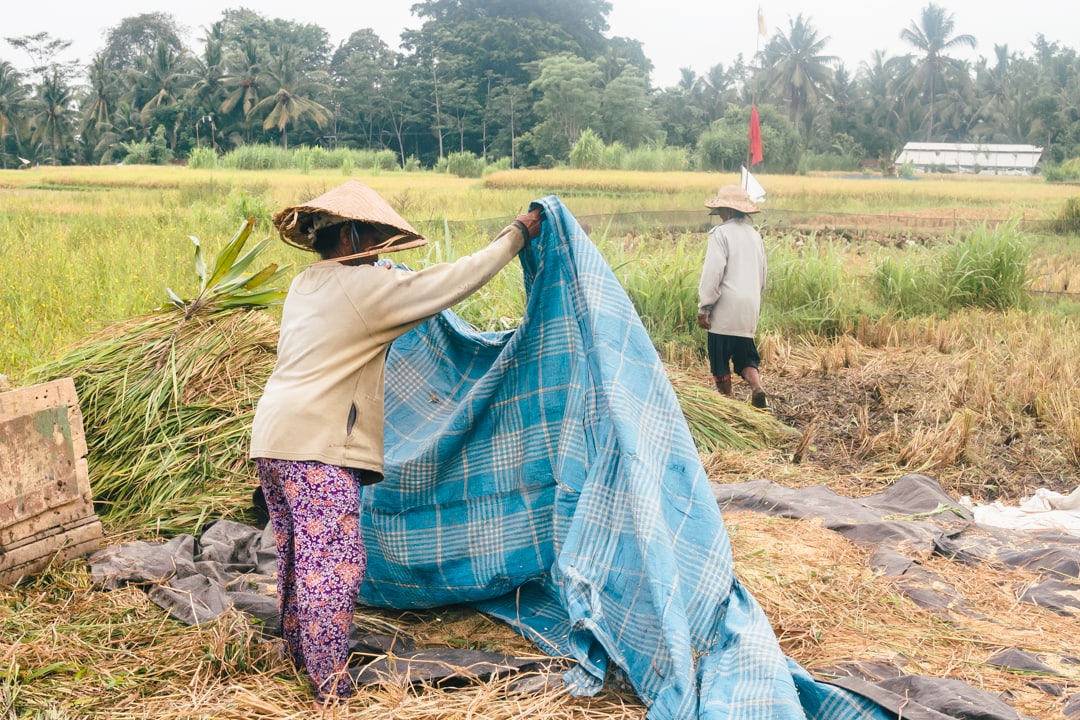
732 213
328 238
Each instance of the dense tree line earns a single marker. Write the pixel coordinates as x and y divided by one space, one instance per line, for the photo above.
520 81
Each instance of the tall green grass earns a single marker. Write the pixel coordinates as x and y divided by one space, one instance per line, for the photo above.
661 280
986 267
303 158
811 288
907 285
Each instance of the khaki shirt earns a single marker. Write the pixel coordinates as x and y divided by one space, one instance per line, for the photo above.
324 399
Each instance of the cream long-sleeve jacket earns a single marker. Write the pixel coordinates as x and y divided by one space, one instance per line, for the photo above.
733 278
324 399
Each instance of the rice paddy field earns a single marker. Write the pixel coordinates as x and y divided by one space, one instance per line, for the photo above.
926 325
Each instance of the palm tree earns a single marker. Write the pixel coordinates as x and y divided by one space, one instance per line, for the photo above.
878 104
1005 90
208 72
241 81
163 78
291 102
51 123
123 128
13 96
100 99
794 65
932 37
715 89
687 79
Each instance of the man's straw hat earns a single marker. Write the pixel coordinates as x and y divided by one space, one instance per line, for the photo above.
734 197
352 200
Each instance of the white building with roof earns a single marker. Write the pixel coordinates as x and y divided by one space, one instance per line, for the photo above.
971 158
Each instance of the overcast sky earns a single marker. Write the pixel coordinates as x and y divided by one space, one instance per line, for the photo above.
675 33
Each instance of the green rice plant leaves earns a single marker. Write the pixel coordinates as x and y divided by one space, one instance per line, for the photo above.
200 261
176 299
266 297
232 279
228 256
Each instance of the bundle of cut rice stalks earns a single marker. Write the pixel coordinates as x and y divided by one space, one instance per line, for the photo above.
167 398
718 422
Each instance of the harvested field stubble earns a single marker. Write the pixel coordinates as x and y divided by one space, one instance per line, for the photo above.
982 402
73 651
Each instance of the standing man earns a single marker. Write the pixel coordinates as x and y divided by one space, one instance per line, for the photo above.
729 293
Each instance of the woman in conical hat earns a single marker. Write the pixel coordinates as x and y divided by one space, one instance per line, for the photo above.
351 202
318 428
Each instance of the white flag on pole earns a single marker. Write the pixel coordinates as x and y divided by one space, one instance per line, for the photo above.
752 186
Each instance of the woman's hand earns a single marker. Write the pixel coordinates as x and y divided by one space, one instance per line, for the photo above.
531 220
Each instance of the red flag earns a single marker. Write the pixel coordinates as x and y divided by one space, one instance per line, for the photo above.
755 137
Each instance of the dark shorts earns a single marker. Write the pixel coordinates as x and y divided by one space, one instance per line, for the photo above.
728 352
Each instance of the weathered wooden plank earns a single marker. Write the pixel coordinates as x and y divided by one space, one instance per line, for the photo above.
35 555
46 506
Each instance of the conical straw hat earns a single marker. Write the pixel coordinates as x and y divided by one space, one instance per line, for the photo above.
734 197
352 200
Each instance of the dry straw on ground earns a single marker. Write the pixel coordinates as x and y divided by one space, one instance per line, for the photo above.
74 652
827 608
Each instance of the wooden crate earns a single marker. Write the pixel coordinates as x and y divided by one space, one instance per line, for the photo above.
46 508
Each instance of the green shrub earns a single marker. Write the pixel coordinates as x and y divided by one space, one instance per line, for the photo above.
136 152
987 269
202 158
491 166
588 151
827 162
160 152
464 165
643 159
1067 220
673 159
386 160
907 286
1066 172
244 204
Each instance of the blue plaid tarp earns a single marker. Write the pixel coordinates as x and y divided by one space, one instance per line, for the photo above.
547 476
